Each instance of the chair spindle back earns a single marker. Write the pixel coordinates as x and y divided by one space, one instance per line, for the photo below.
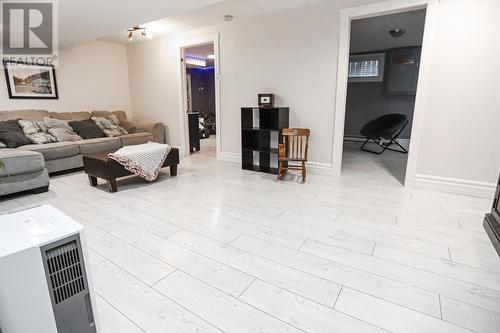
296 141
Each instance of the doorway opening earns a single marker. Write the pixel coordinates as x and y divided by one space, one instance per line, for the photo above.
199 98
383 71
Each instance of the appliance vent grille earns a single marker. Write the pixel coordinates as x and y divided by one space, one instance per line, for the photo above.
65 271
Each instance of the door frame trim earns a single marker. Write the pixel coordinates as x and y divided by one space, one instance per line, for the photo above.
383 8
181 45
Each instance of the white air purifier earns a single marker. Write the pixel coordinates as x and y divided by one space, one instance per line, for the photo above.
45 283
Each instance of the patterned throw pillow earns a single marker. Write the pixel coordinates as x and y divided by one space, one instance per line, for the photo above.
61 130
36 131
110 125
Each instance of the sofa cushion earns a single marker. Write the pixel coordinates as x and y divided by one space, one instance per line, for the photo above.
69 116
36 131
99 144
51 151
65 163
61 130
135 138
11 134
18 161
87 129
28 114
24 182
109 125
121 115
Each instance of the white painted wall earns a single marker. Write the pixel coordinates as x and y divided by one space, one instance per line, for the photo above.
90 76
293 53
462 116
154 86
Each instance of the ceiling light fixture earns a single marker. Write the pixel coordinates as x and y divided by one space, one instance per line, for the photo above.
144 32
396 33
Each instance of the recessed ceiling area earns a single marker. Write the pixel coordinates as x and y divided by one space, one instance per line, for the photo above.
208 16
372 34
81 21
201 51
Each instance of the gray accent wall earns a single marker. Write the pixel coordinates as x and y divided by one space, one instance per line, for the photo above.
367 101
203 100
371 34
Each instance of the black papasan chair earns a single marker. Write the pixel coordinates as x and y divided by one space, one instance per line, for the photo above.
386 127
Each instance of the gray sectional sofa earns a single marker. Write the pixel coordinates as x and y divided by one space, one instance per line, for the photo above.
27 167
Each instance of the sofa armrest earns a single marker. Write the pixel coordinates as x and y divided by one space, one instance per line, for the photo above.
155 128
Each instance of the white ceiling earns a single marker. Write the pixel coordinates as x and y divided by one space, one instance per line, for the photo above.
85 20
209 16
201 51
372 33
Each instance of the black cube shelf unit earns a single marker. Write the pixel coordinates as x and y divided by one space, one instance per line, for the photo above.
256 137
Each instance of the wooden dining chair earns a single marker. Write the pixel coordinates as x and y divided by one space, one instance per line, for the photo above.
292 153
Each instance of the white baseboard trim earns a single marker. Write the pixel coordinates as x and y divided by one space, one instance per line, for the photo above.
229 157
425 182
454 185
316 168
319 168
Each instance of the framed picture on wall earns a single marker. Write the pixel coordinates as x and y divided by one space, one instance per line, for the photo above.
25 80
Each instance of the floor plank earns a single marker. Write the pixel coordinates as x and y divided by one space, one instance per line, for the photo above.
136 262
111 320
439 284
143 305
440 266
213 272
307 285
470 316
300 312
388 289
390 316
215 306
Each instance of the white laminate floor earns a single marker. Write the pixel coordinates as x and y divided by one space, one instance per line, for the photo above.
388 167
219 249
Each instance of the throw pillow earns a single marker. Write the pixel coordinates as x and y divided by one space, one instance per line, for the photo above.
61 130
36 131
110 125
87 129
11 134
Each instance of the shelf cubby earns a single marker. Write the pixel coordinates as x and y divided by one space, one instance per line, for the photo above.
260 134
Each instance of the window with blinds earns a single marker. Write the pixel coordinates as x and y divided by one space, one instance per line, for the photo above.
366 67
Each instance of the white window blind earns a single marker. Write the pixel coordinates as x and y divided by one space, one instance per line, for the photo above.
366 67
363 68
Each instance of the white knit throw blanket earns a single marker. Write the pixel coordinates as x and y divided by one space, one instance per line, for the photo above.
144 160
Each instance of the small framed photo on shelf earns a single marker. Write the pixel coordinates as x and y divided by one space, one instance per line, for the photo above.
266 100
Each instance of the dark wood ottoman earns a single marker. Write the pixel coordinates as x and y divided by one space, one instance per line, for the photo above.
98 165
